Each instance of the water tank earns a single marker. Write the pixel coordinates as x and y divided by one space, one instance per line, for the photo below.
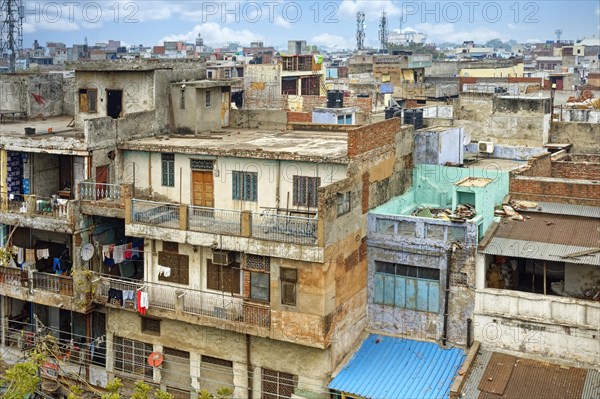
414 117
335 99
393 112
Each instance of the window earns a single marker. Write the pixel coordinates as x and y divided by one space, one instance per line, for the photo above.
277 385
201 164
245 186
132 357
343 203
227 73
305 191
182 99
151 325
168 169
259 286
88 100
289 278
208 98
209 74
408 287
223 278
179 265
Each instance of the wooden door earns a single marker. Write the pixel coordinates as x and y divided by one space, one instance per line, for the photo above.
203 188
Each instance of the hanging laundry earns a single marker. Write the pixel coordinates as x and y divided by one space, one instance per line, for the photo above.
142 302
128 296
119 253
115 294
20 252
106 249
43 253
135 253
56 266
30 255
127 254
164 271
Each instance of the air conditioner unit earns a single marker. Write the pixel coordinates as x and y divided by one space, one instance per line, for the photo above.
486 146
223 258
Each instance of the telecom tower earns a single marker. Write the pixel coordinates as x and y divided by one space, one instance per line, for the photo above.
383 32
11 30
360 30
558 33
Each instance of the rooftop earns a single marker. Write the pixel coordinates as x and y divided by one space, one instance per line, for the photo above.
58 124
474 182
387 367
205 83
253 143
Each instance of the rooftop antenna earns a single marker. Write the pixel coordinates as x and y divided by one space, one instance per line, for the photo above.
11 30
360 30
558 33
383 32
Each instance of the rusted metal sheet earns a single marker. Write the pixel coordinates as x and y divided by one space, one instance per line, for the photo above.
534 379
553 229
497 373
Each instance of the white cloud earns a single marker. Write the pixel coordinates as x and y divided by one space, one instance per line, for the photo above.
533 41
446 33
215 35
282 22
330 41
512 26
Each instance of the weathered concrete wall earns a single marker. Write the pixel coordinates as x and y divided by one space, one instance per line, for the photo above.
258 119
579 115
504 120
262 87
44 174
197 116
585 137
517 153
16 94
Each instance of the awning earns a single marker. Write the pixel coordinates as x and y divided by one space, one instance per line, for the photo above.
387 367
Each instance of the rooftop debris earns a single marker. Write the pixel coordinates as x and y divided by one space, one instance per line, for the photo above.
585 101
511 209
460 214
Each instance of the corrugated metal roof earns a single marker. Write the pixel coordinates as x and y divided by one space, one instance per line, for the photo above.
535 379
539 250
566 209
470 390
497 373
591 387
386 367
555 229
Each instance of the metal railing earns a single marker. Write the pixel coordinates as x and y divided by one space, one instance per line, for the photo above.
288 229
191 301
53 283
92 191
155 213
217 221
17 203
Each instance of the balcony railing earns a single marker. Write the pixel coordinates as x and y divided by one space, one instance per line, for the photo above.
217 221
35 205
190 301
155 213
53 283
51 207
289 229
92 191
17 203
260 225
13 276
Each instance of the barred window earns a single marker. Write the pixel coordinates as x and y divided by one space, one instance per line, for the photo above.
201 164
150 325
343 203
131 356
168 169
259 286
305 191
277 385
245 186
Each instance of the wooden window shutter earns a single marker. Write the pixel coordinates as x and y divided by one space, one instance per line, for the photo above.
83 101
184 269
212 276
171 261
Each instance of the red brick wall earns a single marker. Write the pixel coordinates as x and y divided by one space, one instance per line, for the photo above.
302 117
365 192
538 166
555 191
369 137
576 170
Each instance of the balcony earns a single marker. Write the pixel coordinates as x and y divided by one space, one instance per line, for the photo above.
103 199
182 302
53 283
38 212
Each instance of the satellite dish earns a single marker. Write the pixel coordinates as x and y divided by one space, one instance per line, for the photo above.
466 139
155 359
87 251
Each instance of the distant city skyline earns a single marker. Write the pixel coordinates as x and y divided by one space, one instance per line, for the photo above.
328 24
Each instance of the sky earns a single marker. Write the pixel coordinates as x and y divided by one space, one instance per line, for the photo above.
330 24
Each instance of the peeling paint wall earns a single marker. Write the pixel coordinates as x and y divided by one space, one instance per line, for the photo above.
16 93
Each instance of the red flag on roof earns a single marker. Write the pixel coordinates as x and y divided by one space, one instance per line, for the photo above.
39 99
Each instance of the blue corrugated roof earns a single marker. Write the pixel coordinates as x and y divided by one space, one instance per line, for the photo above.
398 368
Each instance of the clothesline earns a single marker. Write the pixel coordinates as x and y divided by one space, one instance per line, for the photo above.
114 254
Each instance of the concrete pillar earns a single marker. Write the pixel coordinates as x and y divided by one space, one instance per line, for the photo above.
257 383
321 232
246 223
110 354
183 217
126 193
128 208
156 376
240 380
195 362
480 271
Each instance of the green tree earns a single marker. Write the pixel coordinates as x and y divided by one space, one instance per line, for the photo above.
20 380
